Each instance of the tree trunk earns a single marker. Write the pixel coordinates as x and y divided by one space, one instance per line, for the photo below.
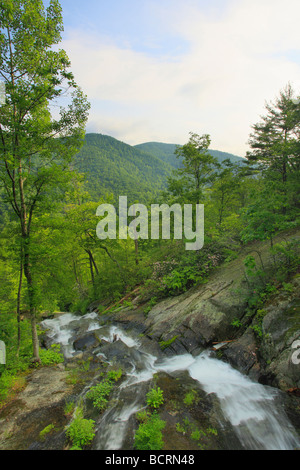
136 251
19 302
30 287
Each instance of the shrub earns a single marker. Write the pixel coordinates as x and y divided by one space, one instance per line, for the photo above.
155 398
69 408
149 435
99 393
81 432
114 375
51 356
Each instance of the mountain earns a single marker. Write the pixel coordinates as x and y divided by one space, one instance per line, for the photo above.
111 166
165 152
139 172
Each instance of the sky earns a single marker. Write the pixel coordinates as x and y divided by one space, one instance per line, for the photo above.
156 70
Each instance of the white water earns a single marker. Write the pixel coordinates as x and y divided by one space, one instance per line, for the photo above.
250 407
61 329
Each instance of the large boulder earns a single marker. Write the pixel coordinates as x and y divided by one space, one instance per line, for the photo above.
85 342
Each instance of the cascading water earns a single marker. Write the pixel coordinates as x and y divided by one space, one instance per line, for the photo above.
251 408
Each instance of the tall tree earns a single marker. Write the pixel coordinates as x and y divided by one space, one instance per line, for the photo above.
35 147
198 167
275 140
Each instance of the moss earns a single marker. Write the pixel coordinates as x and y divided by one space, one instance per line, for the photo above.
166 344
47 430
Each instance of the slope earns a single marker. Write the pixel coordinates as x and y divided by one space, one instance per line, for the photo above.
113 167
165 152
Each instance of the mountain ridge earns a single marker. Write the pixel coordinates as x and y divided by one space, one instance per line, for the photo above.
166 151
141 172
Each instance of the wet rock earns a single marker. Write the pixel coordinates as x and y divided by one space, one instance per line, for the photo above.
88 341
194 424
119 354
242 353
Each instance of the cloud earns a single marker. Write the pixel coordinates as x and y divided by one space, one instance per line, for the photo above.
234 62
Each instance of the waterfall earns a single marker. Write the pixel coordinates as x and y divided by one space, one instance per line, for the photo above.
252 409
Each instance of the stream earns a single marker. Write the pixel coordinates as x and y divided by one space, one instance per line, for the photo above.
253 410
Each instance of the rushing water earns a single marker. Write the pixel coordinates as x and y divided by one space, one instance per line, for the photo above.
251 408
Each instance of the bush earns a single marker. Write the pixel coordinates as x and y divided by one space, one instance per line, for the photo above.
149 435
99 393
155 398
81 432
51 356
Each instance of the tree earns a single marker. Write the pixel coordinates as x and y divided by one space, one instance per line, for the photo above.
198 168
35 147
275 141
275 152
224 192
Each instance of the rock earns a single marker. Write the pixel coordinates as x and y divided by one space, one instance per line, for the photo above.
40 404
281 329
242 354
202 315
88 341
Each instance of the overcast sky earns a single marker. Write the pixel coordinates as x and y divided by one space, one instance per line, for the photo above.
155 70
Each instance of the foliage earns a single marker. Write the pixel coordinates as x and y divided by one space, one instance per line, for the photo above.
51 356
287 258
184 270
257 325
203 435
47 430
155 398
198 169
17 363
81 432
236 323
166 153
190 397
35 148
99 393
148 435
151 304
110 167
274 141
114 375
69 408
165 344
142 416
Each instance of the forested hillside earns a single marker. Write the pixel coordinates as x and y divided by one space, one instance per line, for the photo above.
109 166
112 167
54 177
166 153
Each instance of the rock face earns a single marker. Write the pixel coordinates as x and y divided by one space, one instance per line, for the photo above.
40 404
281 328
270 358
211 312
